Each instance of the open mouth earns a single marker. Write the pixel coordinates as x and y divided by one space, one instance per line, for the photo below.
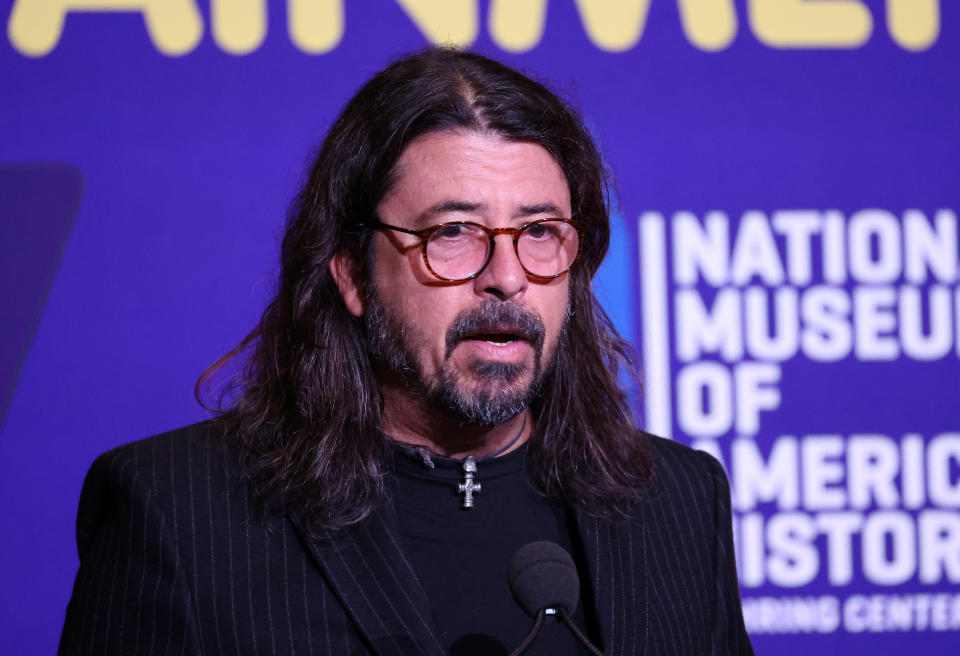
496 339
499 325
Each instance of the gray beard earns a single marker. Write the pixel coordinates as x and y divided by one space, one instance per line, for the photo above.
499 396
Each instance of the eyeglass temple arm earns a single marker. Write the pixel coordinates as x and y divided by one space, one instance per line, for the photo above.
380 224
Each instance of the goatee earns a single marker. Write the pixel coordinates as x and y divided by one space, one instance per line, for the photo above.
487 392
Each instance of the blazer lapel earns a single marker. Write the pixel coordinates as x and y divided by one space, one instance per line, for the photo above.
616 565
377 586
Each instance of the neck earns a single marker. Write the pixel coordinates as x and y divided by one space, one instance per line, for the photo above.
411 420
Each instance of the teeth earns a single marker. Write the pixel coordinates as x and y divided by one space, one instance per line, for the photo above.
499 343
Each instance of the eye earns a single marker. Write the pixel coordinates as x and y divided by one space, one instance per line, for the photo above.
452 231
539 231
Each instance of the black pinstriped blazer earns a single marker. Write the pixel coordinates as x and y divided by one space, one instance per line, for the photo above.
172 563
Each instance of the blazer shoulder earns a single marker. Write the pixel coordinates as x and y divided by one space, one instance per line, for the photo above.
681 470
170 444
151 456
670 453
153 469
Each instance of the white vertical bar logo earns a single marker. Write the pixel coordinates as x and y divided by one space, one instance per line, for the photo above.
655 324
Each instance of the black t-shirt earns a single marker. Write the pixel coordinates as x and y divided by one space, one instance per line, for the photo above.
461 555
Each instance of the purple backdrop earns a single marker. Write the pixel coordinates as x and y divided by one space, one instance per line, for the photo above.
785 259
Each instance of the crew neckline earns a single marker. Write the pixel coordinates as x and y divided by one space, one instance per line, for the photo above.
416 462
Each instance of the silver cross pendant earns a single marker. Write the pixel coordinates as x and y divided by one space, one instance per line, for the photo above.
468 487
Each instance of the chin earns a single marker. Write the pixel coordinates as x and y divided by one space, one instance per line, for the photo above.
485 402
494 374
485 412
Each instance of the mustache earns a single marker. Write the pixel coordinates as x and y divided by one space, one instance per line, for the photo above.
496 317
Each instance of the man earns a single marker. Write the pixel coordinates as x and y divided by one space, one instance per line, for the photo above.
433 387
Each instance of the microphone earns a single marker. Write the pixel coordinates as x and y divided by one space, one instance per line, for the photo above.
544 581
542 575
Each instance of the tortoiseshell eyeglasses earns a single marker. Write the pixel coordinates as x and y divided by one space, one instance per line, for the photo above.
460 250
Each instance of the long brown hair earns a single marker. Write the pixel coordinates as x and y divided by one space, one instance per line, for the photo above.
305 411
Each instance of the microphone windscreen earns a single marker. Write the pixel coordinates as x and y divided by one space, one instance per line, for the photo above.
541 575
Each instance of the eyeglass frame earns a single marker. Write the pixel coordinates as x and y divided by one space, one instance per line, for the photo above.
425 234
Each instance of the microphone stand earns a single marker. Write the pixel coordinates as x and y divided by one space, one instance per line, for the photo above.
534 632
564 616
577 633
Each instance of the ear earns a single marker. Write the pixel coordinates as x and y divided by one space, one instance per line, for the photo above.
346 275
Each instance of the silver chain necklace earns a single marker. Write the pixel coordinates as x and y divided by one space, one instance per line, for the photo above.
469 487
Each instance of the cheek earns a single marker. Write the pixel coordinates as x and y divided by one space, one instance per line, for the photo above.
424 312
554 313
560 302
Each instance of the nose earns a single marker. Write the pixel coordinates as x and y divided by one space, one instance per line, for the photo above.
503 277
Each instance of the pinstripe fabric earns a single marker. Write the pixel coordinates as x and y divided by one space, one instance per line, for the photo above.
173 563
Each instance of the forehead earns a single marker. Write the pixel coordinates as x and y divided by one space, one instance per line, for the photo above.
493 177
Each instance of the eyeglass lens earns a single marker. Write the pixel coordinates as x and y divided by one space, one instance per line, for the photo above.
460 250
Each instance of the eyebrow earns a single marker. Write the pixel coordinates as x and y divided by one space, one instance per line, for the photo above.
450 206
540 208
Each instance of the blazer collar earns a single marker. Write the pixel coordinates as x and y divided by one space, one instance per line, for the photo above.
615 554
370 574
377 586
